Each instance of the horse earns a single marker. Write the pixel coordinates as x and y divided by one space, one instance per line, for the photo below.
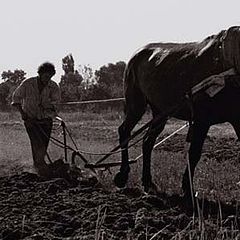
161 75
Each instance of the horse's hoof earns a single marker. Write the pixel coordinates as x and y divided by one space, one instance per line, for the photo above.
188 196
187 205
145 190
151 188
120 180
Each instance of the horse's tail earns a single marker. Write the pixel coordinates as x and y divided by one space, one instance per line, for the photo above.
135 100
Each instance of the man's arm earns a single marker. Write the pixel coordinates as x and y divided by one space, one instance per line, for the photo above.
18 96
19 108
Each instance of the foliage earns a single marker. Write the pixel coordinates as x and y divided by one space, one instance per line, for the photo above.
4 91
85 84
90 89
11 81
109 78
75 85
88 76
70 81
15 77
70 87
94 92
68 64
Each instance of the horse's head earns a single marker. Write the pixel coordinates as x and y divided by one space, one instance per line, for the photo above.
225 46
231 48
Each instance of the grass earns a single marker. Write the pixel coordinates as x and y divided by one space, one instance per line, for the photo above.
97 133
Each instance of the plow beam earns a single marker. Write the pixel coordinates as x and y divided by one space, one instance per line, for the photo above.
106 165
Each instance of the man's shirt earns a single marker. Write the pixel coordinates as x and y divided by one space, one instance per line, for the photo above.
36 104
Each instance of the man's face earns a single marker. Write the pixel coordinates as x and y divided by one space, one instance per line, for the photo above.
45 77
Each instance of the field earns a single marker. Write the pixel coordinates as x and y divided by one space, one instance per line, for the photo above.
31 208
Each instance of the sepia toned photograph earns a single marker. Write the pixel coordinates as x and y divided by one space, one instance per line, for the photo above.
120 120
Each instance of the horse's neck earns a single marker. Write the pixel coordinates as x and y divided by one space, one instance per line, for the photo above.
210 63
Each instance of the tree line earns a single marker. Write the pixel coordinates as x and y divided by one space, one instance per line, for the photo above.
75 84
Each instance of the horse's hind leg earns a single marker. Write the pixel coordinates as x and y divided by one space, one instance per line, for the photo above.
133 115
124 130
148 144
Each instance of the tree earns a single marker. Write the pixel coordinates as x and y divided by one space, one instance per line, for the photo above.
70 81
110 78
15 77
88 85
68 64
11 81
4 91
88 76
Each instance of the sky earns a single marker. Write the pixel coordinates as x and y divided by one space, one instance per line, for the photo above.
98 32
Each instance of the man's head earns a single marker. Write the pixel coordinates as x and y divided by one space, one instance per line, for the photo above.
46 71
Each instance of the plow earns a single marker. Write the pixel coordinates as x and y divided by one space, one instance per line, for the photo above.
68 168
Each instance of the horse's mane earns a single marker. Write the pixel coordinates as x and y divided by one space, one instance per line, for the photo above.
187 47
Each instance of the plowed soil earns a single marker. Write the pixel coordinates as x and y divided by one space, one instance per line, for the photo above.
33 208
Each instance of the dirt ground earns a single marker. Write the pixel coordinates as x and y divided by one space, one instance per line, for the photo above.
33 208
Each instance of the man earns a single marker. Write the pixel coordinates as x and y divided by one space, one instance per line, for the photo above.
35 98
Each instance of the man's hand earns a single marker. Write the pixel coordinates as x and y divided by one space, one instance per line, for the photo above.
23 114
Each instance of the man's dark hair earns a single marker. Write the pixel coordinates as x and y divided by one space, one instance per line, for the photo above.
46 67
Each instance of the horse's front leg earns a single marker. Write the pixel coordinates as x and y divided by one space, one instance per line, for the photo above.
148 144
198 135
